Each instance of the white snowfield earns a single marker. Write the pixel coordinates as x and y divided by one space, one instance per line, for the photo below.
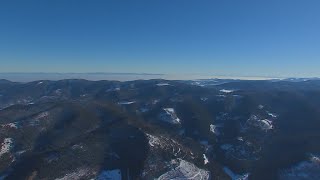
214 129
263 124
226 91
10 125
110 175
163 84
273 115
168 144
174 118
113 89
126 102
266 124
153 140
239 138
6 146
185 171
206 161
80 173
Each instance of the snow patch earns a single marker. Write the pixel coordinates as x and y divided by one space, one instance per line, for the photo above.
80 173
153 140
214 129
113 89
13 125
6 146
173 118
226 91
206 161
185 170
273 115
126 102
163 84
263 124
167 145
240 138
266 124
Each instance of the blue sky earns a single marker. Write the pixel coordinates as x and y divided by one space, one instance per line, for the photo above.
219 37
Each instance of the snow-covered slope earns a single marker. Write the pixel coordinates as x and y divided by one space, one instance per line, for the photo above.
185 171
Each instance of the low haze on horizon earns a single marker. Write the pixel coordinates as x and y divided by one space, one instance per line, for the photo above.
28 77
216 38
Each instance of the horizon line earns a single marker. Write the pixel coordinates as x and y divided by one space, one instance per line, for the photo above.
120 76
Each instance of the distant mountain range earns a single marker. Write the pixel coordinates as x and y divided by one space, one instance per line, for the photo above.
27 77
160 129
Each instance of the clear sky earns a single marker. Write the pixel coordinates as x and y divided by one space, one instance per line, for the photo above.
219 37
